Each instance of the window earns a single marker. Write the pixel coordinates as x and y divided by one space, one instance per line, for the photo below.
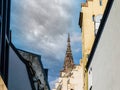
93 18
100 2
91 69
91 88
97 21
68 82
89 72
88 55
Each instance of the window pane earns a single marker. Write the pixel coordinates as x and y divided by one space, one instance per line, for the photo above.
100 2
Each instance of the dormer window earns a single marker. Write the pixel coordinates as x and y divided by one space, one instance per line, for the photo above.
100 2
97 21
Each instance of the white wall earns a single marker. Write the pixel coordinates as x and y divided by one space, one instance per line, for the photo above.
106 60
90 78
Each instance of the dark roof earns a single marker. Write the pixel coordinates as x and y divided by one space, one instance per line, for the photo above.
31 72
44 70
100 30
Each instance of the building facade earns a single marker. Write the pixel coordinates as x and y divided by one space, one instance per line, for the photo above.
4 42
70 76
26 71
104 59
90 19
19 77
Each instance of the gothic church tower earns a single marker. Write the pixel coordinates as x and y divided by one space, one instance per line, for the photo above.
70 76
68 62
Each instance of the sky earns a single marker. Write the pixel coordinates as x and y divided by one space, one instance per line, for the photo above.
42 26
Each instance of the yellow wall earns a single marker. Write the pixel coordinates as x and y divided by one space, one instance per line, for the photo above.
2 85
90 8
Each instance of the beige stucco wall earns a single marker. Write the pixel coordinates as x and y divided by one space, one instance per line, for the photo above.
2 85
74 81
93 8
77 78
90 8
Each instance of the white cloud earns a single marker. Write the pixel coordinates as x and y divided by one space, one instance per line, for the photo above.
52 83
43 23
41 26
76 37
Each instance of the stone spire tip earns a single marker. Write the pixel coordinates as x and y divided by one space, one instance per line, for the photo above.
68 37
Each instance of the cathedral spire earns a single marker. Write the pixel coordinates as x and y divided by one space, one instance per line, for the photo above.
68 62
